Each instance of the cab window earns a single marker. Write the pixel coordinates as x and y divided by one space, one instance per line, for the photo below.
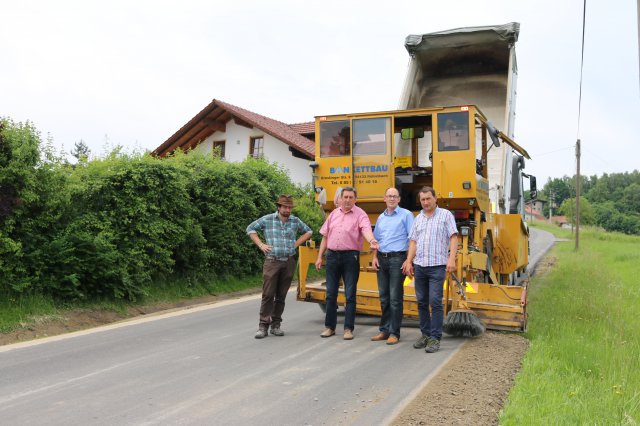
453 131
370 136
334 138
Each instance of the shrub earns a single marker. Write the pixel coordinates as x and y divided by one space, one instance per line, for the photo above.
310 212
113 227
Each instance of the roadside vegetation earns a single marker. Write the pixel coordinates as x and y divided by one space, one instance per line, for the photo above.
583 365
23 311
127 228
610 201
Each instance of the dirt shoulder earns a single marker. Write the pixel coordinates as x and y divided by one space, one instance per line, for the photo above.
472 387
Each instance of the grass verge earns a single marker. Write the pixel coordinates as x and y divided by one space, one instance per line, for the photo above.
19 312
23 311
583 365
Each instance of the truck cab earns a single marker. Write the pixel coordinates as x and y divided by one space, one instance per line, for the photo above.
445 148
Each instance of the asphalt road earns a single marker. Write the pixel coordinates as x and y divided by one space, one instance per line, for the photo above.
539 243
202 366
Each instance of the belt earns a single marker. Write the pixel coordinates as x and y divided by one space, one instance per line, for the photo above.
343 251
393 254
279 259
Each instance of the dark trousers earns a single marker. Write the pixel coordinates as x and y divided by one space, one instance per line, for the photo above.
345 264
276 280
428 283
391 290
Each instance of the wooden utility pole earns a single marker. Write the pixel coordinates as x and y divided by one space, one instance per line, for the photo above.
577 194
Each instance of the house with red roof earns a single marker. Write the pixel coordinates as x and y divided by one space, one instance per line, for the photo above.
238 133
532 213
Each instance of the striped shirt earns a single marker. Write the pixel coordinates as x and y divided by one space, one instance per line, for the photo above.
432 236
343 230
280 236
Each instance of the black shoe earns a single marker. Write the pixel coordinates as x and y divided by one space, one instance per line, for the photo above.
432 346
276 331
261 333
421 342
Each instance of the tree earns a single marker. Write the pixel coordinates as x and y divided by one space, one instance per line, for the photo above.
611 187
557 190
568 209
611 219
630 200
81 150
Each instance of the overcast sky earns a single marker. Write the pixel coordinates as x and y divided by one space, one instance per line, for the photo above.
133 72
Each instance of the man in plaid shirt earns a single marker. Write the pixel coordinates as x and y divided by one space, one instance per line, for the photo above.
433 245
280 229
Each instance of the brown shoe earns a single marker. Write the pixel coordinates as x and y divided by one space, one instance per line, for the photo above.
379 336
392 340
327 333
348 334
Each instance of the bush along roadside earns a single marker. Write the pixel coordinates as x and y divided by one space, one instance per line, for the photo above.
115 227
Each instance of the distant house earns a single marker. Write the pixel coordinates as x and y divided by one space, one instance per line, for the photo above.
240 133
538 205
532 213
533 210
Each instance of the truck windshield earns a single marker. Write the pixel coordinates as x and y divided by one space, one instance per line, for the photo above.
453 131
334 138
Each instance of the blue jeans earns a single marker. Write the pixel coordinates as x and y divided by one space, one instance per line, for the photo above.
391 289
428 283
345 264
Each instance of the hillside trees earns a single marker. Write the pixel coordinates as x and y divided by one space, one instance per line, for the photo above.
613 200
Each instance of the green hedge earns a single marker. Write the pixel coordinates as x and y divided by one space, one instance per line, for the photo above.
114 227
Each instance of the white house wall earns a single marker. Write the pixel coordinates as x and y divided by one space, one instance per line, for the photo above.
237 140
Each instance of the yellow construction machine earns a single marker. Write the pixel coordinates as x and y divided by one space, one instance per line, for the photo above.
476 170
445 148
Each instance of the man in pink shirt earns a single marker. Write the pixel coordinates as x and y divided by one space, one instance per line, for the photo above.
342 235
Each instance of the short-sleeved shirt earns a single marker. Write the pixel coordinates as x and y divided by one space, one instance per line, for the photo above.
432 236
343 230
280 236
392 230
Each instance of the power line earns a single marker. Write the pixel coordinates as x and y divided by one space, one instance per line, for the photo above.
584 15
557 150
598 157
